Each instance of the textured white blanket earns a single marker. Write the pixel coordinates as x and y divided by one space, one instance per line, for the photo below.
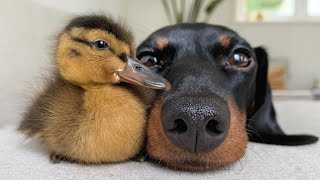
21 159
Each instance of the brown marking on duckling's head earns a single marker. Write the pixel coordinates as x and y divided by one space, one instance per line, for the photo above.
91 49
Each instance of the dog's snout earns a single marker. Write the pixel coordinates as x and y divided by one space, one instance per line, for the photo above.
196 124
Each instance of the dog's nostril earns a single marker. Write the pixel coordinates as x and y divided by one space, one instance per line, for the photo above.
179 126
212 127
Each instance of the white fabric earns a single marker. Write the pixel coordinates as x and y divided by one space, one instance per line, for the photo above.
20 159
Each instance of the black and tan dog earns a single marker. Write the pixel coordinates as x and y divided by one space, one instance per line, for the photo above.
220 97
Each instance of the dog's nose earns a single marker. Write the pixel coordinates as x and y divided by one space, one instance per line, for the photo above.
196 124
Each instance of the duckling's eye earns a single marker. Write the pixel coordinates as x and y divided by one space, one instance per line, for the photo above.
239 58
149 60
99 44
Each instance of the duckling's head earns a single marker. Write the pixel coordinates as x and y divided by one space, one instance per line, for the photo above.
95 50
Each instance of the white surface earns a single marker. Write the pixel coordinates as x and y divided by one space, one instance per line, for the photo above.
28 160
292 94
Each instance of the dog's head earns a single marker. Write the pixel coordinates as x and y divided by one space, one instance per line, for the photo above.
218 81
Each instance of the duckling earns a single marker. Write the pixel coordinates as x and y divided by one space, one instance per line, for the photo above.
84 113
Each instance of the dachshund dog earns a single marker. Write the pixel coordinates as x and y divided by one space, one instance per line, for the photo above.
220 98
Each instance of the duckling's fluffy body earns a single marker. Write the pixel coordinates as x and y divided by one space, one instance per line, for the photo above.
81 115
99 125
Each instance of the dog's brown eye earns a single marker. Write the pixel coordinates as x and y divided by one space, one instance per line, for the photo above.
239 59
149 60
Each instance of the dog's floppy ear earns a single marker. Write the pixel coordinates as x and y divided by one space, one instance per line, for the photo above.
262 123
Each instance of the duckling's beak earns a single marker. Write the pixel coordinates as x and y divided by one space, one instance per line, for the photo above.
136 73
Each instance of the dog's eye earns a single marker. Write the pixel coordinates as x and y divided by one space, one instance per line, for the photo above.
149 60
152 62
239 59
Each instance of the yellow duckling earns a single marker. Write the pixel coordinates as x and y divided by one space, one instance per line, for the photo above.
85 114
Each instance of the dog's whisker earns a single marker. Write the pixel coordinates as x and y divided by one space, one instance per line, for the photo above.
251 149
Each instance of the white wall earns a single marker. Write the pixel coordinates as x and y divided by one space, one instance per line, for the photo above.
83 6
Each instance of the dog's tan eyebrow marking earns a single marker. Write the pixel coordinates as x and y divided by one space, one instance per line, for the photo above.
161 43
224 40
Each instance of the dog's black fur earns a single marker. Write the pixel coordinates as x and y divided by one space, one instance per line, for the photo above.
193 61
